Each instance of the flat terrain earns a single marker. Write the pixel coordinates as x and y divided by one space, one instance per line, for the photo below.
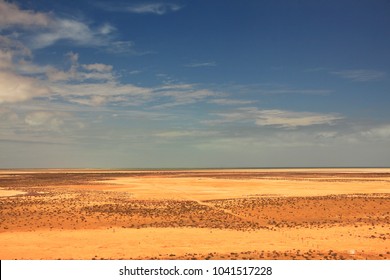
195 214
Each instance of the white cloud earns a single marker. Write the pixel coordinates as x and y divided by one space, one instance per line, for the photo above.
326 134
277 118
5 59
66 29
289 119
46 29
109 88
26 67
135 72
98 67
182 95
74 58
14 47
11 15
38 125
97 76
121 47
153 8
49 120
225 101
295 91
96 71
185 133
95 100
201 64
14 86
97 94
175 87
382 132
7 116
17 88
88 84
21 80
54 74
190 95
106 29
361 75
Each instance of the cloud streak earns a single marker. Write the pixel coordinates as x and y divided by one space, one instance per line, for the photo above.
226 101
148 8
361 75
289 119
65 29
181 94
276 118
186 133
201 64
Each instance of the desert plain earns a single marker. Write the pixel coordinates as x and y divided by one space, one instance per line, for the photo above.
195 214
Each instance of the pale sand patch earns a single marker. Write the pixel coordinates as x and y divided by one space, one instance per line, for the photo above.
210 188
117 243
7 193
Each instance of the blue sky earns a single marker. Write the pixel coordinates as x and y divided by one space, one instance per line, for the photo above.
158 84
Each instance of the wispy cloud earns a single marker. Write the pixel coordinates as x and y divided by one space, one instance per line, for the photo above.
142 8
96 85
153 8
378 132
275 117
39 125
181 94
275 89
289 119
295 91
95 71
226 101
99 94
202 64
186 133
45 29
361 75
49 120
93 84
89 84
98 67
315 69
65 29
123 47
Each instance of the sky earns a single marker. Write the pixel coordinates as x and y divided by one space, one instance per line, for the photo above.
185 84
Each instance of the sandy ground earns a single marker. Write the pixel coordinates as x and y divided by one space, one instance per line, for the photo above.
5 193
195 214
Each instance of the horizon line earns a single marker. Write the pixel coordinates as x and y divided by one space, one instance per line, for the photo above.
189 168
